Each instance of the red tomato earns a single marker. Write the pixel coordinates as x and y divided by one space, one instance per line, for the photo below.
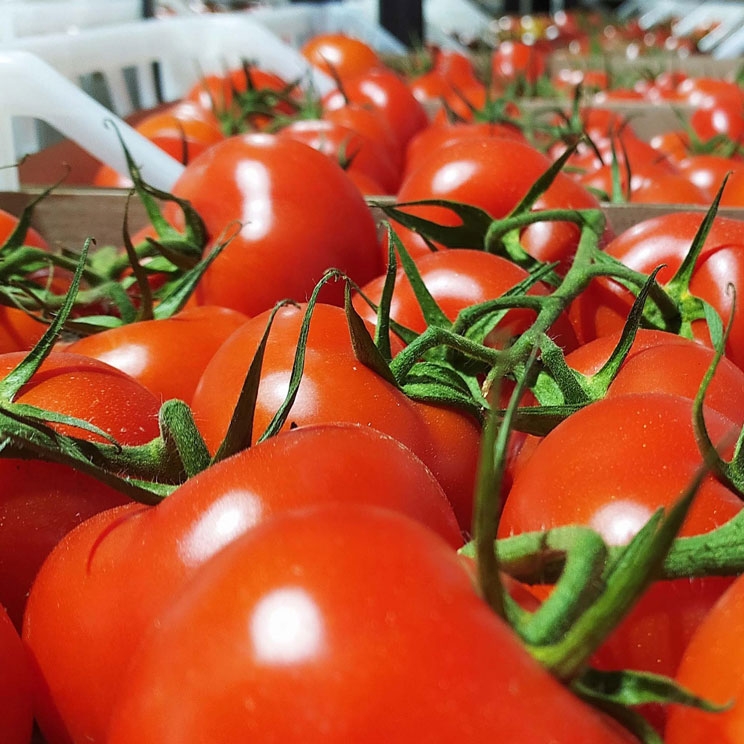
513 60
335 387
494 173
436 136
387 93
349 148
674 145
663 362
328 640
293 229
712 666
370 123
18 330
458 279
579 473
708 171
152 351
603 307
722 117
42 501
183 130
339 54
239 98
456 67
16 715
100 579
653 185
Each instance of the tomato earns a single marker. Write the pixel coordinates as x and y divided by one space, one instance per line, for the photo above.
335 387
182 129
340 54
371 124
604 305
388 94
458 279
42 501
240 98
293 229
723 117
347 147
9 222
708 172
494 173
18 330
456 66
431 139
353 626
653 185
712 667
708 92
579 473
674 145
16 715
514 60
100 581
663 362
447 100
151 351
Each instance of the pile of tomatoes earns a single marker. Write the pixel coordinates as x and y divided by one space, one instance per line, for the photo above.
277 468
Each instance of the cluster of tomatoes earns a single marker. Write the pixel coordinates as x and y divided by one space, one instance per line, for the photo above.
255 464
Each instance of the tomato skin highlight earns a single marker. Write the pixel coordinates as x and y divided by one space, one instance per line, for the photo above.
334 638
100 580
293 229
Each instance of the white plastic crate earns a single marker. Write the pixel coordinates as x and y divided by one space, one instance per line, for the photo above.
21 18
121 59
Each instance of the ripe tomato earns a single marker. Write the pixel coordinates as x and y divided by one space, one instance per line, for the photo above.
40 502
335 387
436 136
654 184
708 172
352 150
370 123
293 229
458 279
340 55
183 130
388 94
18 330
456 67
513 60
100 581
664 362
712 667
579 473
352 623
151 351
494 173
16 715
240 97
603 307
